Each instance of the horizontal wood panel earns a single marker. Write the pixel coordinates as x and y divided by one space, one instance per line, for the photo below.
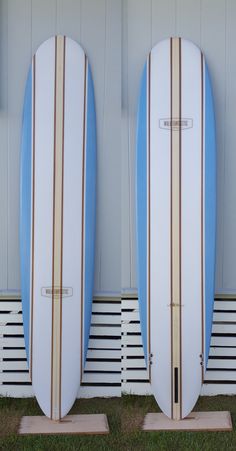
105 330
218 389
8 318
11 330
133 363
101 378
14 377
223 341
96 391
129 304
223 324
17 391
223 352
131 340
125 351
110 351
130 327
14 365
130 316
106 307
220 375
105 319
224 316
10 306
224 328
225 305
101 344
221 363
134 374
106 297
12 354
104 354
12 342
102 366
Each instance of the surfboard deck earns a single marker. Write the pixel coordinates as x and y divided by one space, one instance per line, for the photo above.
57 224
176 221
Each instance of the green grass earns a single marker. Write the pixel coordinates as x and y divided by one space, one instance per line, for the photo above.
125 416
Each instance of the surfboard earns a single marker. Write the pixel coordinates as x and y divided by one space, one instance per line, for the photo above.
57 220
176 221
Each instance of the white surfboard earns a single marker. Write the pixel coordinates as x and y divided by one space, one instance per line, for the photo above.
57 232
176 220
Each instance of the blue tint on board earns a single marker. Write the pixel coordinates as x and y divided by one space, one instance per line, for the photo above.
25 208
210 211
90 209
141 207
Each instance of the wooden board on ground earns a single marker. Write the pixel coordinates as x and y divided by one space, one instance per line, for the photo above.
195 421
71 424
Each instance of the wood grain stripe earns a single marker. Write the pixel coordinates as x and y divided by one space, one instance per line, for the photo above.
62 215
53 236
57 228
176 228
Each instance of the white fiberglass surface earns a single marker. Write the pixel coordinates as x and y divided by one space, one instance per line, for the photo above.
191 231
72 221
160 226
44 142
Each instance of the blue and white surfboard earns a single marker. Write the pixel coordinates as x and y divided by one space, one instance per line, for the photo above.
57 220
176 221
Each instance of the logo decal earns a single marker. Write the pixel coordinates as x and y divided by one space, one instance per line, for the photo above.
176 123
57 292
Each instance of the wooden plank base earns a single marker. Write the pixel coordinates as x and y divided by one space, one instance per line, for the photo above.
71 424
195 421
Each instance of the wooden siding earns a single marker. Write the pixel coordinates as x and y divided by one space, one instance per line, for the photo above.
117 36
211 25
115 360
24 25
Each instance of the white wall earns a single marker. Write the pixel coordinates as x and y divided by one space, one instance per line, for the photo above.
117 36
95 24
211 24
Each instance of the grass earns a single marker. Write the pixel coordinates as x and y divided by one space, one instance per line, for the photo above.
125 416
